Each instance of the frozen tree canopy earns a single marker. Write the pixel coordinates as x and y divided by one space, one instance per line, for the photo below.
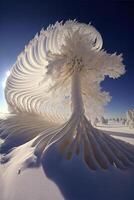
53 92
44 70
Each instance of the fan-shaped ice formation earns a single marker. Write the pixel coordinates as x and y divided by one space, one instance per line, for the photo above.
53 93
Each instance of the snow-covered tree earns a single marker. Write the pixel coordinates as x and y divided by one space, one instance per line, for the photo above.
118 120
103 120
124 121
130 118
54 92
96 121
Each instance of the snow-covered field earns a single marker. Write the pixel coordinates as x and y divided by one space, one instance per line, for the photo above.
119 131
70 180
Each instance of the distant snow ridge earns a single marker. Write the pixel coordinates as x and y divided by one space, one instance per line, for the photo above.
53 92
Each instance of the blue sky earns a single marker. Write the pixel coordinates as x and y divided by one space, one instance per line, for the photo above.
20 20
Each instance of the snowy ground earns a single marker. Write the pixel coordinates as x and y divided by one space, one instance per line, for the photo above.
119 131
70 180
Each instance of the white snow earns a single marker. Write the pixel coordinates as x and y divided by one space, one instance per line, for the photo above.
119 131
32 184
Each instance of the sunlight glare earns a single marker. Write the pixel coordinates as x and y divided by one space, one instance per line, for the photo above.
5 78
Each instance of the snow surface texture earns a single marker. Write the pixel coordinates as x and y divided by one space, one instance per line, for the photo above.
53 93
75 180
